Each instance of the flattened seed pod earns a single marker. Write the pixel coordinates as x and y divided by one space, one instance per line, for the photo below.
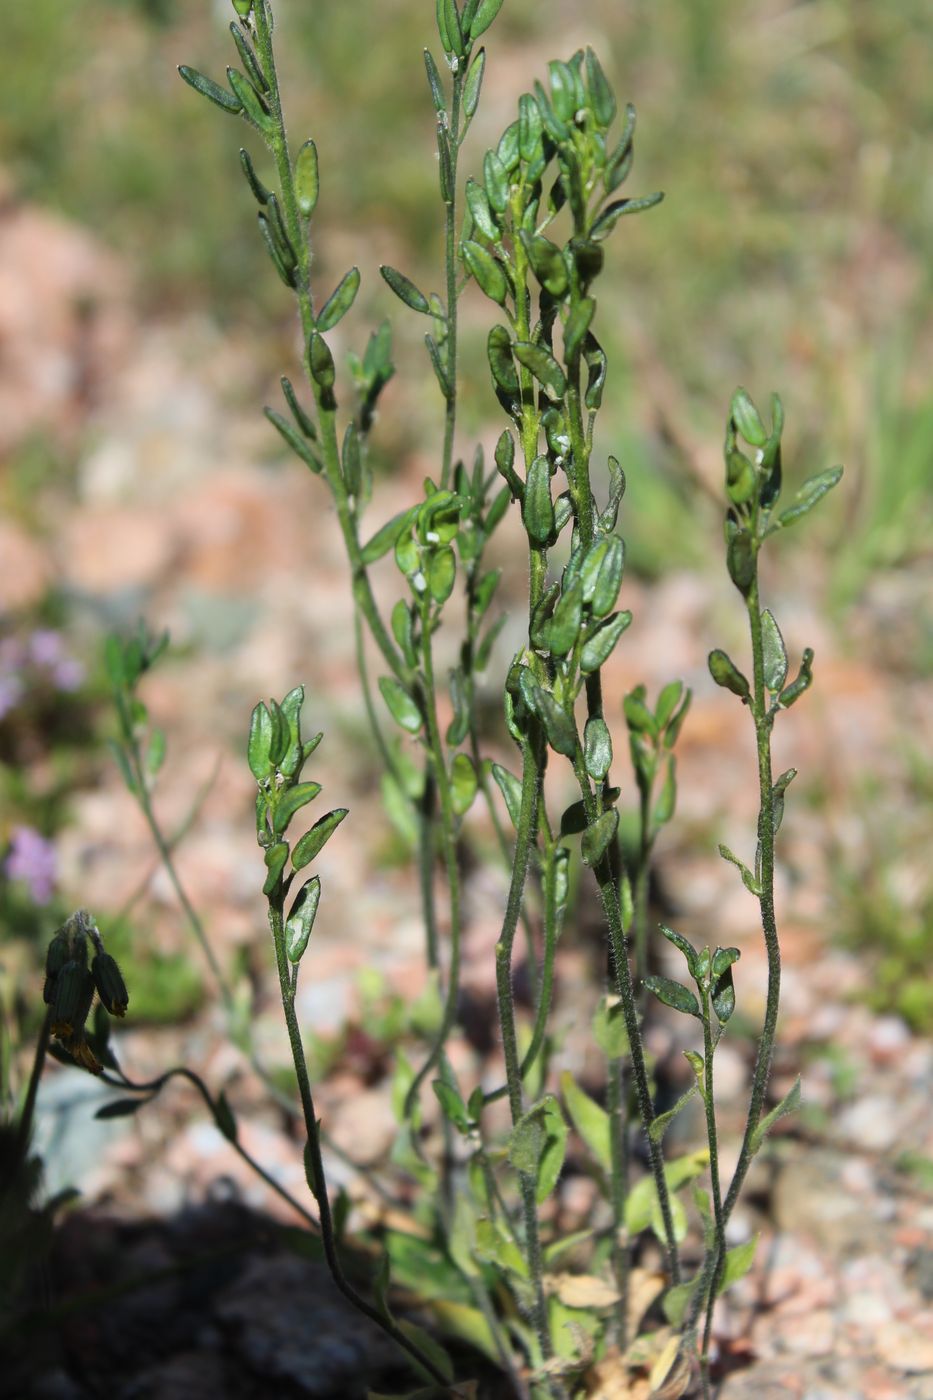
110 985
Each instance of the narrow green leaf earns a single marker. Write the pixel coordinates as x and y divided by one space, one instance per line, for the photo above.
746 418
434 83
304 423
249 60
291 801
674 995
452 1105
275 858
405 289
479 206
738 1261
487 271
496 182
789 1104
226 101
511 790
559 726
384 539
321 362
473 84
463 783
484 16
597 748
122 1108
400 704
577 325
590 1120
748 879
543 366
260 193
598 837
307 179
775 653
339 301
537 507
662 1122
609 1029
260 743
667 801
725 673
602 98
722 989
555 1148
285 269
599 645
611 215
440 372
808 496
296 441
253 106
314 841
803 680
685 946
301 918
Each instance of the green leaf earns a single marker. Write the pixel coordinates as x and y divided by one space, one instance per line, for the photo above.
496 182
590 1120
275 858
296 441
304 423
340 300
505 376
598 837
155 753
384 539
400 704
807 497
526 1143
485 14
452 1105
290 802
685 946
600 644
662 1122
543 366
555 1148
307 179
777 797
611 215
677 1301
511 790
722 989
121 1108
301 918
608 580
434 83
746 418
609 1030
725 673
602 98
559 726
577 325
463 783
789 1104
440 372
495 1246
667 802
530 128
479 206
314 841
473 84
486 270
405 289
803 680
537 506
441 573
674 995
248 58
547 262
321 362
597 748
351 461
260 743
748 879
775 653
253 106
285 265
738 1261
226 101
741 558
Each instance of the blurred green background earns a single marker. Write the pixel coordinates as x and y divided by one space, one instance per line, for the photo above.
792 252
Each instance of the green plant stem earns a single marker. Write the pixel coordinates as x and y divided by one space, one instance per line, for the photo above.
532 774
451 263
718 1218
609 897
314 1164
763 724
278 144
153 1086
449 845
618 1189
640 892
24 1126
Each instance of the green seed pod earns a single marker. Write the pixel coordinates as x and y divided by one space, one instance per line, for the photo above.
537 506
221 98
243 8
725 673
253 105
321 362
111 987
74 992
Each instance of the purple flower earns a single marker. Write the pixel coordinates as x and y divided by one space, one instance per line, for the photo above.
31 859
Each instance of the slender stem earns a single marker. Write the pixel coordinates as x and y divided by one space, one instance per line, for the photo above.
640 893
618 1189
449 845
450 259
532 771
609 897
314 1164
24 1127
718 1218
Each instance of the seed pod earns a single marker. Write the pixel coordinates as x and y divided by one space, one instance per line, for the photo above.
221 98
111 987
74 992
307 179
301 919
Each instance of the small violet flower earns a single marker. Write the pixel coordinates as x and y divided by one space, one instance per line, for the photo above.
31 859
